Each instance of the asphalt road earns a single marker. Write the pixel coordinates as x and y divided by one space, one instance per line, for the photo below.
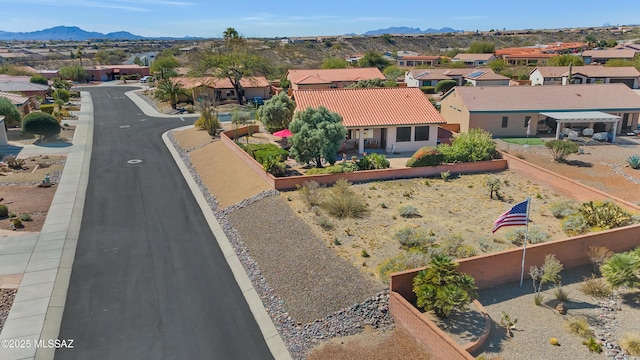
148 280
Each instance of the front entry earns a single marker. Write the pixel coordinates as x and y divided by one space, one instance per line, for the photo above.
383 138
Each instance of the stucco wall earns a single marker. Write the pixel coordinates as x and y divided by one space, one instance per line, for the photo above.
492 122
454 111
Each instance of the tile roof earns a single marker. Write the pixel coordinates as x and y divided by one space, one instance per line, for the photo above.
604 71
331 75
547 98
15 99
419 57
213 82
610 53
8 85
465 56
372 106
429 74
485 74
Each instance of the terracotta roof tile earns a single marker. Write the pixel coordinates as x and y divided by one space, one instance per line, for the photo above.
331 75
213 82
548 97
15 99
372 106
464 56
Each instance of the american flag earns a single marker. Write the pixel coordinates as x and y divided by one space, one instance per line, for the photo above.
518 215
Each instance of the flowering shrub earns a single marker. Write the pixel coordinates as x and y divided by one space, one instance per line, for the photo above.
426 156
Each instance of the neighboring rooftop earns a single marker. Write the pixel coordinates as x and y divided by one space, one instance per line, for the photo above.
319 76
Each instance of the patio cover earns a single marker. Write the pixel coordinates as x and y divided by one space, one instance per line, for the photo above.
581 117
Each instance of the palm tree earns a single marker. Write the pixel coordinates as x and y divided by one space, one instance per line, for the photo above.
622 270
171 90
441 288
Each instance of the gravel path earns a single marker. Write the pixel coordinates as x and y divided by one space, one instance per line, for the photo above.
6 299
313 295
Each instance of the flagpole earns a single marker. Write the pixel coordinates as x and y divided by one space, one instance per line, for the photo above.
526 238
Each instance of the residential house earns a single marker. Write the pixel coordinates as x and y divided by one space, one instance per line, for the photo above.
537 55
476 77
397 118
302 79
602 56
592 74
353 59
221 90
114 72
605 107
24 87
24 104
629 46
474 59
417 60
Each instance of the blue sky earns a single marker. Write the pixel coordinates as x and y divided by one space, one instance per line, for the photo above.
281 18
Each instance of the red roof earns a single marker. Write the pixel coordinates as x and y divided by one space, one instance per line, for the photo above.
372 106
323 76
217 83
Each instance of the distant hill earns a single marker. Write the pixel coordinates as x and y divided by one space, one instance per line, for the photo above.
73 33
408 30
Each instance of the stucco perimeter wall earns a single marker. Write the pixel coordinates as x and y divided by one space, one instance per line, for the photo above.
386 174
562 184
227 138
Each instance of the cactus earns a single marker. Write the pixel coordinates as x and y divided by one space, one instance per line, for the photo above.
554 342
634 161
508 323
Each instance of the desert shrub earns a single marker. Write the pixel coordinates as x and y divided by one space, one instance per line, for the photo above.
634 161
445 175
428 89
48 108
554 341
445 85
410 238
40 123
536 235
4 211
262 152
493 184
451 245
13 162
16 222
595 287
631 343
337 168
622 270
561 294
62 94
325 223
343 202
373 162
425 156
605 215
561 149
475 145
575 224
578 325
208 120
551 269
593 345
25 217
408 211
404 261
274 166
311 194
598 255
12 116
562 209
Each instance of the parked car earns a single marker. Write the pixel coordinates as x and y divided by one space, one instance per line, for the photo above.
147 79
258 101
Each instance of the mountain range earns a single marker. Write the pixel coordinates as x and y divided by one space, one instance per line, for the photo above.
409 30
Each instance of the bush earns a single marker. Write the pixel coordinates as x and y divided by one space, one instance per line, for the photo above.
598 255
493 184
561 149
475 145
48 108
425 156
4 211
343 202
62 94
428 89
631 343
579 326
12 116
605 215
593 345
575 224
561 294
334 169
325 223
311 194
13 162
16 222
634 161
25 217
404 261
536 235
444 85
408 211
273 166
373 162
262 152
40 123
562 209
595 287
410 238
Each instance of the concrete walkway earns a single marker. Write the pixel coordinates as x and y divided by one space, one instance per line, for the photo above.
46 259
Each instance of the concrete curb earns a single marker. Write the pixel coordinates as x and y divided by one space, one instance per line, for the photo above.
268 329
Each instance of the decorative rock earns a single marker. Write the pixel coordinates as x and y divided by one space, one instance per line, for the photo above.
561 309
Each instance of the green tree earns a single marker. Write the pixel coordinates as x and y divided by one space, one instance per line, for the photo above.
445 85
481 47
622 270
565 60
39 79
73 72
373 58
393 72
137 61
475 145
61 84
498 65
443 289
235 64
368 83
164 66
80 53
277 113
619 63
561 149
170 90
10 112
317 134
41 123
334 63
62 94
231 34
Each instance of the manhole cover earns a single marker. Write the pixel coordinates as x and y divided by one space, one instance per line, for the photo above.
134 161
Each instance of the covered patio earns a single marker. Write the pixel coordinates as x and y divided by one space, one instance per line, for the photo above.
575 117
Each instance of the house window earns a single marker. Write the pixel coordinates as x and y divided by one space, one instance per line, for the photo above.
422 133
526 120
403 134
505 121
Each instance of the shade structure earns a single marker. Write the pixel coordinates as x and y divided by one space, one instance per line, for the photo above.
283 133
